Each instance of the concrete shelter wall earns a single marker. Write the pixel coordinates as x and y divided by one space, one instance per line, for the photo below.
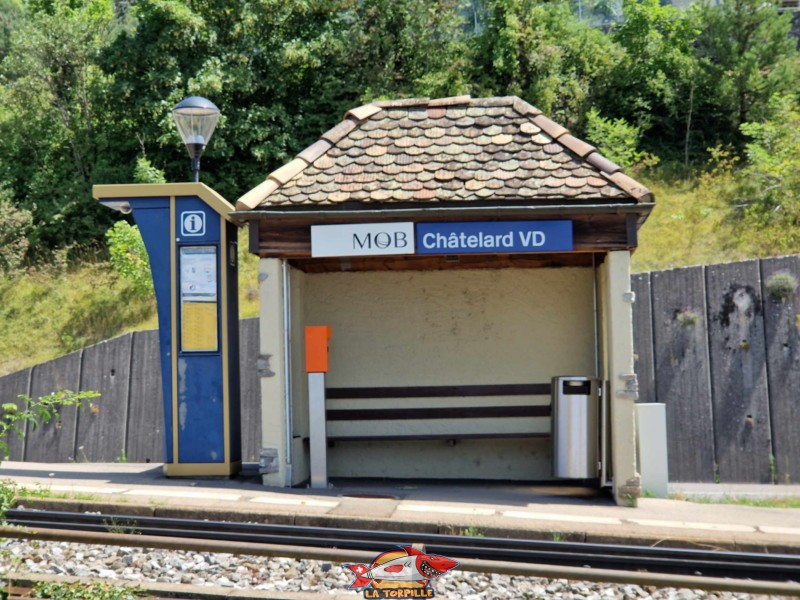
466 327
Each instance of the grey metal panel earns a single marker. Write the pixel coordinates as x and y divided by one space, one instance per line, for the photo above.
643 337
250 389
145 441
54 441
682 367
101 429
783 367
12 386
317 431
738 372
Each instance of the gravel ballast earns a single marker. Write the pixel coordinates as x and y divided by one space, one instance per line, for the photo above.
290 575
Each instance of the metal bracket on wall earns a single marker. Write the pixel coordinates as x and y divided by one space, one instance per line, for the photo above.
262 366
631 390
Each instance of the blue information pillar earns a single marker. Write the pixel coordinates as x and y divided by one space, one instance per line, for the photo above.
192 246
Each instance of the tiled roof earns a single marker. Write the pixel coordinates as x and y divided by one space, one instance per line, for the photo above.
458 149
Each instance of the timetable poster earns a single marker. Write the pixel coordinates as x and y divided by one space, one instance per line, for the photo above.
198 270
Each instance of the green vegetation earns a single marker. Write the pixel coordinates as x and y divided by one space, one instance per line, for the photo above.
781 502
58 308
34 412
10 490
701 104
123 527
81 591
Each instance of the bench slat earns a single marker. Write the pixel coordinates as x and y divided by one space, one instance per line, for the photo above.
434 391
460 412
436 436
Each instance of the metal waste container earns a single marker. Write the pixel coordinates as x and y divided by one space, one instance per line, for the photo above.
576 427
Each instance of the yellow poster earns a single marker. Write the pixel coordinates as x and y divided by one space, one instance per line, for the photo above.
199 326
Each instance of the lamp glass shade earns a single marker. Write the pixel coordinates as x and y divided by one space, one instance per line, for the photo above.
196 118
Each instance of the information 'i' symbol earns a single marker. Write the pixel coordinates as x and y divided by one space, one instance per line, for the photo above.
193 223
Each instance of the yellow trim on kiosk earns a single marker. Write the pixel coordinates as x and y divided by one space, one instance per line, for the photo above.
226 408
173 272
150 190
202 469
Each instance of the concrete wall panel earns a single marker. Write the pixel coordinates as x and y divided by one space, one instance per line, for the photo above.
102 428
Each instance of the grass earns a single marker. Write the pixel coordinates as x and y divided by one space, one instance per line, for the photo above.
782 502
9 490
55 309
690 225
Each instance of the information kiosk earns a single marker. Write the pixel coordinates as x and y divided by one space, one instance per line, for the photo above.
192 245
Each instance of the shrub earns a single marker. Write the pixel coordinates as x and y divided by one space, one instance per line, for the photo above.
617 140
781 285
129 256
15 223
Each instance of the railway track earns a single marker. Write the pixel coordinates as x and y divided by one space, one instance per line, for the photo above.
671 561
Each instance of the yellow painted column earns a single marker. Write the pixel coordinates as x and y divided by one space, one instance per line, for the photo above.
272 369
623 389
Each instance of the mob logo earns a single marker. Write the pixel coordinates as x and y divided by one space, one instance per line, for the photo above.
381 240
362 239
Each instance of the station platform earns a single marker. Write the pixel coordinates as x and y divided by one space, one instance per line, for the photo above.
538 511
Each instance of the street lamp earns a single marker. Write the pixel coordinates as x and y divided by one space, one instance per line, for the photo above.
196 118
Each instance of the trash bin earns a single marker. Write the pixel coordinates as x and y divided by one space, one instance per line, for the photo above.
576 427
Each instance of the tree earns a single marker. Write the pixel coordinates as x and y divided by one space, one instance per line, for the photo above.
747 56
266 64
543 53
653 85
401 48
51 120
10 15
770 183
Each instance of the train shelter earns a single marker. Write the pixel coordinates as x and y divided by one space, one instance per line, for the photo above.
464 252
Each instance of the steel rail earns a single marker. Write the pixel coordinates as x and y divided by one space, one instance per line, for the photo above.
762 566
344 555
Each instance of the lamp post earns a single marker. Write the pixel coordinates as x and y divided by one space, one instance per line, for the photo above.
196 118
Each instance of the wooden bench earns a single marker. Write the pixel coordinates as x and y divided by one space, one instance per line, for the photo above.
451 412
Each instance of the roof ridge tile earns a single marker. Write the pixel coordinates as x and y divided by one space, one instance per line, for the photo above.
408 102
257 195
495 101
288 171
524 108
364 112
579 147
336 133
315 150
602 164
629 185
550 127
451 101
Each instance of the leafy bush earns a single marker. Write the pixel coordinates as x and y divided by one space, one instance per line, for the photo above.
14 226
81 591
781 285
129 256
145 172
34 412
768 193
618 140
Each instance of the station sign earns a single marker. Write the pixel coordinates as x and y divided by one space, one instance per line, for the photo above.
468 237
362 239
494 237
